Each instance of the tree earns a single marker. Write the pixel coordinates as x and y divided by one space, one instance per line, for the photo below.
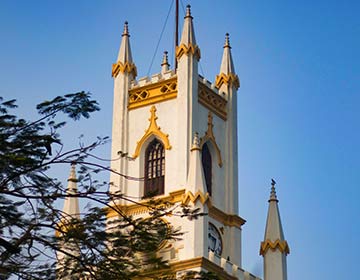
29 218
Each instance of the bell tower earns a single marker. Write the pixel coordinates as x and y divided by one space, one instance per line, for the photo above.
175 135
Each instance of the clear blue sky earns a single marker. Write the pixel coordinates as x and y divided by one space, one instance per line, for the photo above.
299 117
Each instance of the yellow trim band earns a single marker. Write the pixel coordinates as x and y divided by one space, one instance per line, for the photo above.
127 67
189 49
153 93
229 79
281 245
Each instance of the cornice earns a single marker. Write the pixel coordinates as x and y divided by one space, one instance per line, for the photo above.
152 93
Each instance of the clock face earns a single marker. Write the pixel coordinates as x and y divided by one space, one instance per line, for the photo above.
214 240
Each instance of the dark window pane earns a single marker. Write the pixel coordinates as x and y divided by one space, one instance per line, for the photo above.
154 168
206 162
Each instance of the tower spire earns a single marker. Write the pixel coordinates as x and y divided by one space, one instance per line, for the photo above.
124 61
71 204
227 73
274 248
188 41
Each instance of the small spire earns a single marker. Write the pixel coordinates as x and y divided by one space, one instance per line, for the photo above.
71 204
165 63
188 34
196 179
227 64
196 142
274 228
125 50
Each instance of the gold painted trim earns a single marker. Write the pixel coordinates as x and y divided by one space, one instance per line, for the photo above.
189 49
209 136
281 245
212 101
229 79
153 129
153 93
143 206
127 67
189 196
179 196
198 262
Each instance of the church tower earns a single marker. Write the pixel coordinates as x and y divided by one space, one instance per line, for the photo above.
177 132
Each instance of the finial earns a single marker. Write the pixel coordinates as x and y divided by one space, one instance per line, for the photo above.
165 59
126 29
227 41
273 196
188 12
72 176
165 63
196 142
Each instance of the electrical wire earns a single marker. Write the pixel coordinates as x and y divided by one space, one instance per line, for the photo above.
161 34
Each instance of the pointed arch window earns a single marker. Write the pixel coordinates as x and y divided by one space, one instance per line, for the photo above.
207 166
154 168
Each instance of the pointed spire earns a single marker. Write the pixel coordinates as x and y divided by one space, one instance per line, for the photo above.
125 50
165 63
227 64
274 228
188 34
124 63
71 204
227 74
196 179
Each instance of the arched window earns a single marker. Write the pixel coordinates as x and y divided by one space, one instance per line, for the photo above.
154 168
206 162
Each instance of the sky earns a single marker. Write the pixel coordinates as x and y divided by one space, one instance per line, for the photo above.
298 104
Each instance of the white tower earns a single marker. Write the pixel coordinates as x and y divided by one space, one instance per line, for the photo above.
274 248
178 132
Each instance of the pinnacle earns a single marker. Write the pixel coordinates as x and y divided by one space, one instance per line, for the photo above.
188 11
126 29
273 196
227 41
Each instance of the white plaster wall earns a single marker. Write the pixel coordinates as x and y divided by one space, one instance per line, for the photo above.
274 265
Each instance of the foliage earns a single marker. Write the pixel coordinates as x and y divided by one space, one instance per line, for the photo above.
91 246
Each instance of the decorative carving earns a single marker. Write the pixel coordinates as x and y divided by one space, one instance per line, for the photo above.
212 101
153 129
153 93
209 136
229 79
189 196
190 49
278 244
127 67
